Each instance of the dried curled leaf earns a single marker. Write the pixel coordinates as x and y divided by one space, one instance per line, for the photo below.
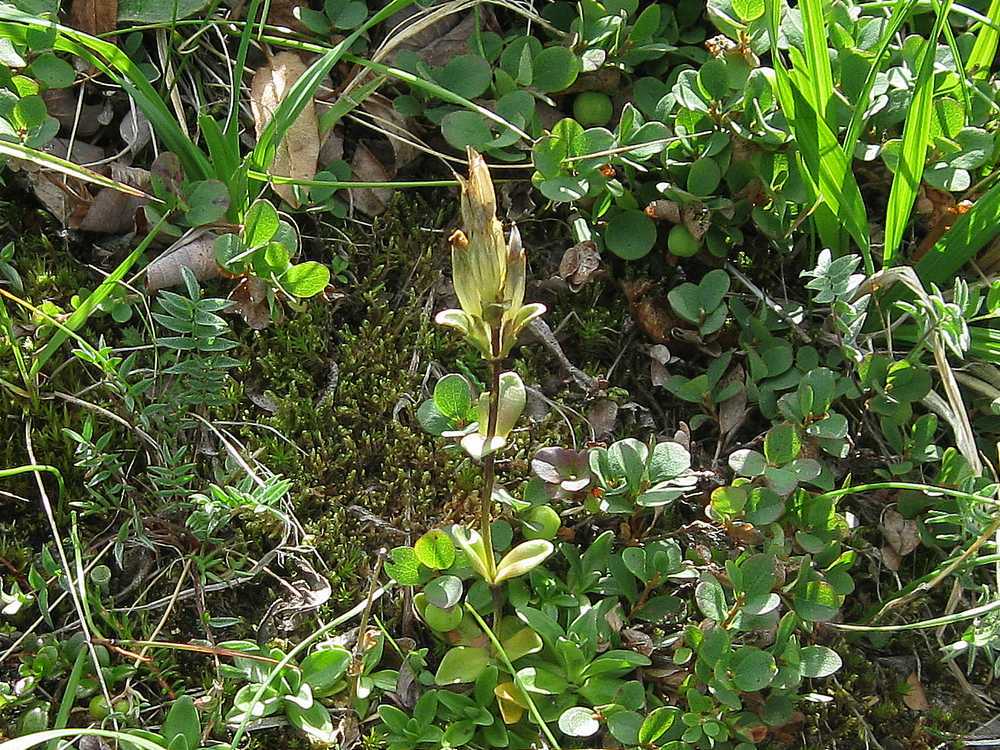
298 152
579 263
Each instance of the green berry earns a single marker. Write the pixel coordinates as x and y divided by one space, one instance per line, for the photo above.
681 242
592 108
99 707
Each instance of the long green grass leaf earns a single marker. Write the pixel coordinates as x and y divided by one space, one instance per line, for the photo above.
984 50
63 166
347 102
817 56
227 163
825 164
913 154
87 307
970 233
114 63
8 329
348 184
231 130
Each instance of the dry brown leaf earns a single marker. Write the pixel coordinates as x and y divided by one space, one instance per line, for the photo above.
891 558
732 411
915 698
902 534
196 253
333 147
111 211
649 308
602 416
579 263
298 152
250 297
439 42
697 219
394 124
135 130
95 17
286 13
167 167
60 194
368 168
664 210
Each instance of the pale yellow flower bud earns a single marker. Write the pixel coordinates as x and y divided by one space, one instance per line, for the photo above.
488 273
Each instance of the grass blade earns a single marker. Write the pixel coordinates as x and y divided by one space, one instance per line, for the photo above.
231 130
824 163
8 329
970 233
63 166
228 165
348 101
86 308
984 51
114 63
817 57
916 135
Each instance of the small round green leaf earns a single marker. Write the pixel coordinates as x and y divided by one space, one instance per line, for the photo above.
324 668
713 78
466 75
444 591
819 661
260 224
435 550
630 234
403 566
461 664
554 69
704 177
464 128
656 723
306 279
753 669
748 10
782 444
453 396
52 72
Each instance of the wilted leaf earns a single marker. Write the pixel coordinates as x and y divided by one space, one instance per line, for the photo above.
915 698
732 411
196 252
368 168
393 123
579 263
298 152
442 40
250 298
602 416
901 533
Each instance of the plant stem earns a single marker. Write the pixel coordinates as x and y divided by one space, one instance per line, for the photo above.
489 470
